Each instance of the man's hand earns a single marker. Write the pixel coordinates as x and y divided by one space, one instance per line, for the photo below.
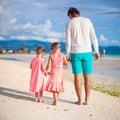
96 56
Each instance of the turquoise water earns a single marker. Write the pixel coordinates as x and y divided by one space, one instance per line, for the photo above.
108 65
103 66
112 55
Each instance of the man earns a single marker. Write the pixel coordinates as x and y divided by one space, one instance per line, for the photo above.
79 30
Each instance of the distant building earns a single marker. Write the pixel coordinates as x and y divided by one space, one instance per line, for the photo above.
10 51
24 50
32 52
2 50
15 51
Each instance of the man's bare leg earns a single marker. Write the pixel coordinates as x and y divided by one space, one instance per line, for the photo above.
78 88
87 87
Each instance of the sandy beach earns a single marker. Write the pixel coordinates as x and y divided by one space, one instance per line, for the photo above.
16 103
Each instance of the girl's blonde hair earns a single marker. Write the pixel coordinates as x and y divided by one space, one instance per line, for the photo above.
54 46
40 49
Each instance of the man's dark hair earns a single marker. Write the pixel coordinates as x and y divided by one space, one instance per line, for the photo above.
73 11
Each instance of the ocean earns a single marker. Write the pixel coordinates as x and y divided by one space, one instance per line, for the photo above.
108 65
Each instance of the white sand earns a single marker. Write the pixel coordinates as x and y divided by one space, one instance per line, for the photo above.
16 103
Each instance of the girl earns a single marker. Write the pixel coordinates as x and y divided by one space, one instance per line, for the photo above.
55 65
37 74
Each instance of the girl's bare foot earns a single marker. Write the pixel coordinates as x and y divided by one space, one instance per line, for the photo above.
55 103
36 100
41 101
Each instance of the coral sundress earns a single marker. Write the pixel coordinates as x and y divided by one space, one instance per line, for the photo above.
37 77
55 80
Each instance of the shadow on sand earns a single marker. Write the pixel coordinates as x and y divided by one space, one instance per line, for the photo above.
16 94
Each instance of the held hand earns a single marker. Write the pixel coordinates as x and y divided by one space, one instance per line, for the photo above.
45 74
96 56
68 60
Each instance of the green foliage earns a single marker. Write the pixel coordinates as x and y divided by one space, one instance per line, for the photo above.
104 90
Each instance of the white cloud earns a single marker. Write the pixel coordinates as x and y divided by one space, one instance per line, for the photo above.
103 39
37 29
29 31
56 34
52 39
2 38
115 42
47 26
110 9
110 12
35 38
18 12
1 10
28 37
40 5
13 20
19 37
27 26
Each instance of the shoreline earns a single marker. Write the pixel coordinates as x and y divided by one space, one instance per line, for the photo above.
105 66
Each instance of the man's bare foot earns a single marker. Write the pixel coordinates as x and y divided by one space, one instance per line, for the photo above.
86 103
78 103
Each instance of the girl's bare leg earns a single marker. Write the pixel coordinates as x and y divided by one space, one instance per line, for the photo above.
58 95
36 95
41 96
55 95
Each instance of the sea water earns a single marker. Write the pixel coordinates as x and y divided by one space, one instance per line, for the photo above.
109 65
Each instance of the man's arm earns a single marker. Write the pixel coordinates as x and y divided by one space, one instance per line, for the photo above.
68 41
94 41
94 38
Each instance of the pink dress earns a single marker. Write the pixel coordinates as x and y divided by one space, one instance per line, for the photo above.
55 80
37 77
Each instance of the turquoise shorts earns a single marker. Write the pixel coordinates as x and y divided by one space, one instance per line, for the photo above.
81 63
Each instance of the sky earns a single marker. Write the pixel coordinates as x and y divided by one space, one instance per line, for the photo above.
45 20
